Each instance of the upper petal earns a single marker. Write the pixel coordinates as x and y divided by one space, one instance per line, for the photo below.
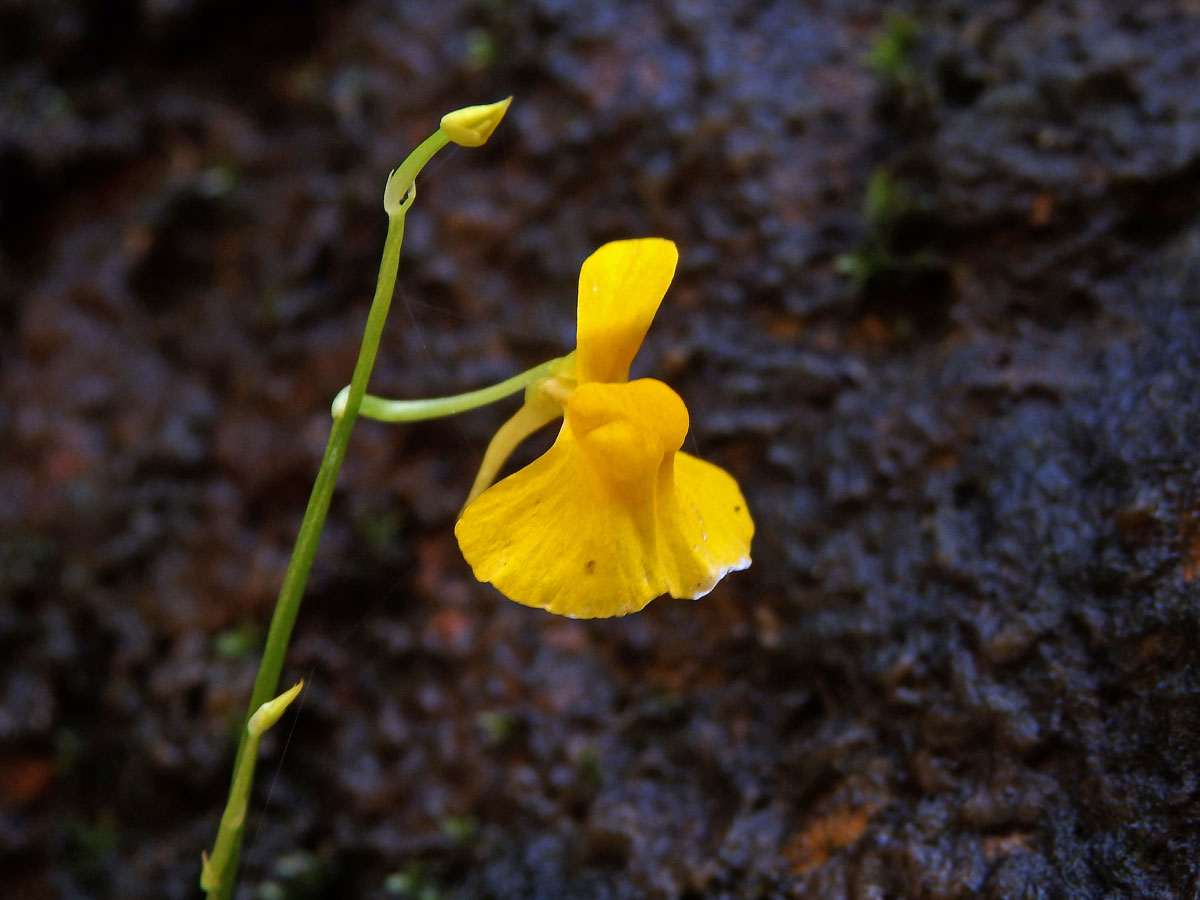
620 288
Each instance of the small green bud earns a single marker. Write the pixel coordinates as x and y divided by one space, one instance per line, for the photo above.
338 408
471 126
268 714
209 881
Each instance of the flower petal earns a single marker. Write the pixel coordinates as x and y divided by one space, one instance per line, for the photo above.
612 515
620 288
536 411
552 536
704 528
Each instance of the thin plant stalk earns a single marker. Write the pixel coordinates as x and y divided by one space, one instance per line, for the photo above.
469 127
394 411
291 592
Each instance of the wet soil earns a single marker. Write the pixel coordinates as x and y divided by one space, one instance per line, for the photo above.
938 310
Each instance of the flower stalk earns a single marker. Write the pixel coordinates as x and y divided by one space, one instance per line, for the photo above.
384 410
219 872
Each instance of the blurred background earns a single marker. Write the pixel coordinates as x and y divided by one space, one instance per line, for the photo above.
937 310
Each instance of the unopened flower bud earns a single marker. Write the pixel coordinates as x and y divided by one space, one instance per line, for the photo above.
268 714
471 126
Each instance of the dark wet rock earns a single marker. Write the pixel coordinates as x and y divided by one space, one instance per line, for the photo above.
964 661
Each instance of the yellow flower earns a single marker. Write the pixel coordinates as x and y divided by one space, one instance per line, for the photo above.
614 514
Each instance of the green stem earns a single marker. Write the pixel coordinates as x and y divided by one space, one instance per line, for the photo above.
470 127
398 196
395 193
233 819
382 410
